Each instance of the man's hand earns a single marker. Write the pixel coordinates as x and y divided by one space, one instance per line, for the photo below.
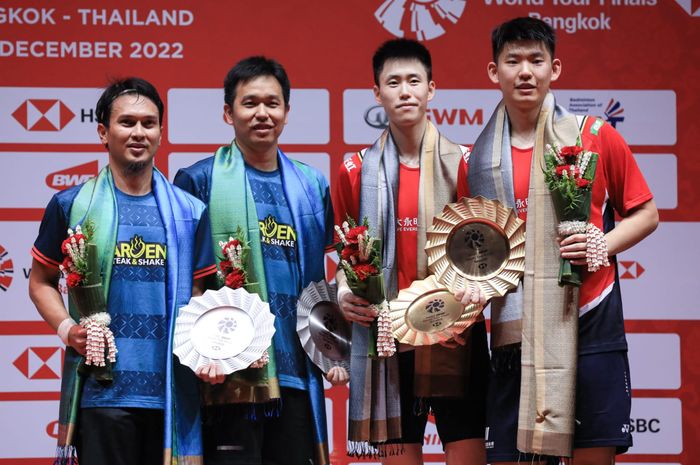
77 339
354 308
211 373
337 376
573 247
471 294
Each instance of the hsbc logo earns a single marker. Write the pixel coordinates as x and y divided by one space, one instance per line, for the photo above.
43 115
630 269
419 19
74 176
40 362
692 7
6 269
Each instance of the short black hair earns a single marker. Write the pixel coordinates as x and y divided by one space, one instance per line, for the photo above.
519 29
251 68
126 86
401 49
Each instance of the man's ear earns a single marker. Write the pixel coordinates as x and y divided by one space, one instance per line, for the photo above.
375 89
228 114
556 69
102 133
492 71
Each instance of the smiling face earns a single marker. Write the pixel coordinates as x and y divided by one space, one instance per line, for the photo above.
133 135
404 91
524 72
258 114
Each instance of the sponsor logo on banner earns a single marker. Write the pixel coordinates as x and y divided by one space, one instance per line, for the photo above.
655 360
29 429
331 265
629 270
40 362
43 115
692 7
647 117
31 363
458 114
663 269
431 440
7 269
320 161
419 19
375 117
73 176
17 238
35 176
656 426
48 115
614 113
660 171
195 117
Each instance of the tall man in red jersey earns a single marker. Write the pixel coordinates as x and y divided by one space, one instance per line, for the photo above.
410 171
554 393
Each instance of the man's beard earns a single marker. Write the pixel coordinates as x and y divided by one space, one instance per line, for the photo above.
135 168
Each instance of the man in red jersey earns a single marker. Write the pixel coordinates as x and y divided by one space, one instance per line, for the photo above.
559 385
398 184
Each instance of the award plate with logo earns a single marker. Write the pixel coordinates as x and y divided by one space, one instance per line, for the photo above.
232 327
323 331
427 312
479 241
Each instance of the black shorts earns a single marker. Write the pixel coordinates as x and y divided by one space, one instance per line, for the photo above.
455 418
603 404
232 438
120 436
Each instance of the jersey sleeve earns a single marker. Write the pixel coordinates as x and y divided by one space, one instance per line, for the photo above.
462 172
626 185
346 190
52 231
204 263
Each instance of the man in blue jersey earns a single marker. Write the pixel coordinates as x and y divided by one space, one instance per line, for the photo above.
284 206
150 238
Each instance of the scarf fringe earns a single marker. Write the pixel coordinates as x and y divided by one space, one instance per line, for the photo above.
66 455
365 450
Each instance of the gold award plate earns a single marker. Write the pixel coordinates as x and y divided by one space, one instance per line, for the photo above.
477 240
426 313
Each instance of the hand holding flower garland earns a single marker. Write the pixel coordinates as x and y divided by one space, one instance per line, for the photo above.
569 174
81 268
360 259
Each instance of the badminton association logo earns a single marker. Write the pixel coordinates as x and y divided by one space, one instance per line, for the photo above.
419 19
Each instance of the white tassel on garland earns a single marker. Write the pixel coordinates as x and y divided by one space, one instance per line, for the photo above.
99 337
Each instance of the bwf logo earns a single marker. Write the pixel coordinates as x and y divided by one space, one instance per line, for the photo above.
419 19
43 115
73 176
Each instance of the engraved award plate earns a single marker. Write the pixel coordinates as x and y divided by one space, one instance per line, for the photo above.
426 313
232 327
480 241
323 331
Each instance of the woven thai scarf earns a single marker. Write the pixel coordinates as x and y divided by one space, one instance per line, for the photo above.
539 314
231 205
375 412
96 201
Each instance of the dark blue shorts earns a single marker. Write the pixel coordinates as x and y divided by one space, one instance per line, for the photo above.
603 404
455 418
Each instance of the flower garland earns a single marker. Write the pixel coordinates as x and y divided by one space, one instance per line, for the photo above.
360 259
